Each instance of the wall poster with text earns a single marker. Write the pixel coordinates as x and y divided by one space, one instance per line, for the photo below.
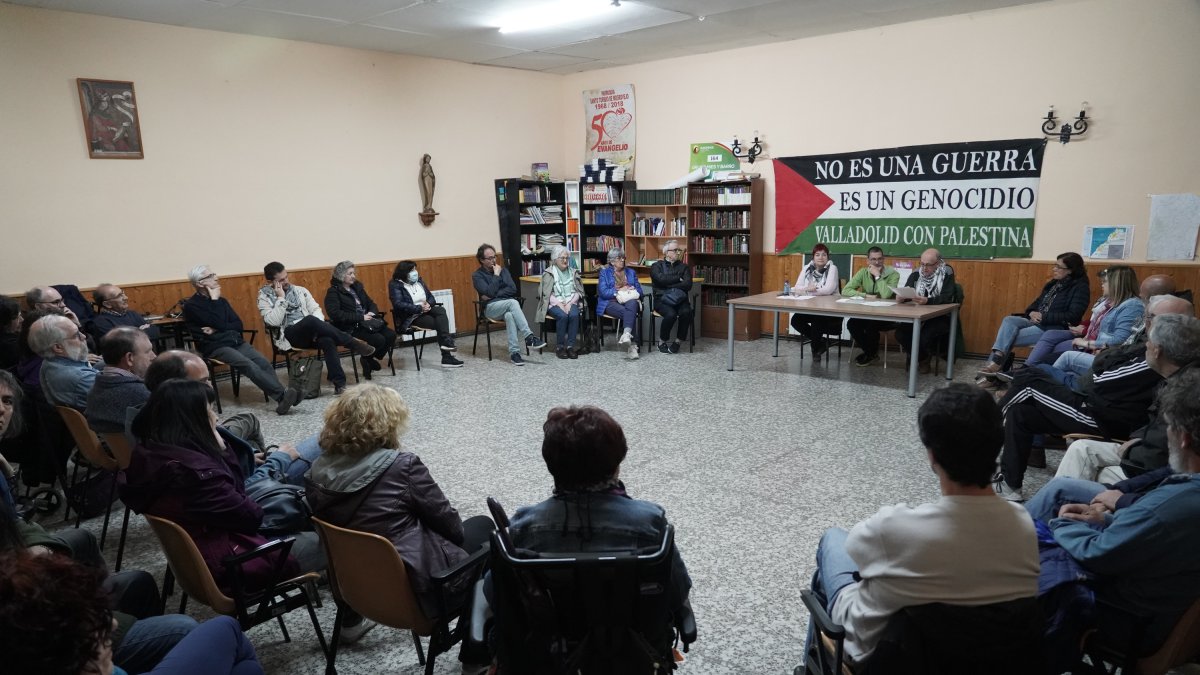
970 200
610 119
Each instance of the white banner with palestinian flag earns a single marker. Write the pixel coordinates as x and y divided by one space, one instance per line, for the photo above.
970 200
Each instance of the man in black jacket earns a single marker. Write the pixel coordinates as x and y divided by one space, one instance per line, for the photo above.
934 284
672 280
498 292
217 331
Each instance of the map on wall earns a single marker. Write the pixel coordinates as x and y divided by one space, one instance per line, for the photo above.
1107 242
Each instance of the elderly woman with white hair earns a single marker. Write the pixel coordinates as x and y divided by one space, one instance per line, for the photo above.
672 279
350 309
619 296
560 297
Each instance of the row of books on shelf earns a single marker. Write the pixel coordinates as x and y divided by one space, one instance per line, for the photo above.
658 197
738 243
718 296
592 265
541 215
534 193
716 274
659 227
600 194
603 215
721 220
534 267
603 244
721 195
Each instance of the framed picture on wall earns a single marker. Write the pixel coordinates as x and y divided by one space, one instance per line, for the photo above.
110 119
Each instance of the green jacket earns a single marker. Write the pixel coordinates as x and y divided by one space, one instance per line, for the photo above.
864 284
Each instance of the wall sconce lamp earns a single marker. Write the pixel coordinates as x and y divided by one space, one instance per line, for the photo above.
751 153
1079 128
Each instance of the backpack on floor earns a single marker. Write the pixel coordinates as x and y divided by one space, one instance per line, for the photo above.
304 374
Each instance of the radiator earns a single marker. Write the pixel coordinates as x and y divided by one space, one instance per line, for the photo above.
446 297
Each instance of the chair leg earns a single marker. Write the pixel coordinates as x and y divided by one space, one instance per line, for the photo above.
82 493
420 652
168 588
309 592
488 336
331 655
283 627
354 365
475 344
183 603
121 542
112 493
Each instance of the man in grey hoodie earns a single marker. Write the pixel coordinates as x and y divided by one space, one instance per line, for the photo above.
127 354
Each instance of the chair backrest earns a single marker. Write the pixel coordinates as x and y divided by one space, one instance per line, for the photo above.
369 575
121 449
1182 645
582 612
188 565
85 439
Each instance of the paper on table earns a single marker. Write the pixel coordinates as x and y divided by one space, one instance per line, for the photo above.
879 303
794 297
904 292
852 300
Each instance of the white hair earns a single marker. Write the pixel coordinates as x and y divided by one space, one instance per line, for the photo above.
197 273
49 331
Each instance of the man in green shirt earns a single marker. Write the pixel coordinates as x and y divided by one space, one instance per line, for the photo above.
871 282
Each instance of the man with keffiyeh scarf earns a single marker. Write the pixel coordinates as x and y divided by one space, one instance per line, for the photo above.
934 283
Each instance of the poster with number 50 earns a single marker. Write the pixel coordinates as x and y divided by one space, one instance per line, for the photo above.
609 116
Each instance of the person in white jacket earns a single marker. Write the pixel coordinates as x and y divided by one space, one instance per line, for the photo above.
819 277
302 324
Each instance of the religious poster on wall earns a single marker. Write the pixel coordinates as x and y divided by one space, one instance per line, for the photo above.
970 200
610 119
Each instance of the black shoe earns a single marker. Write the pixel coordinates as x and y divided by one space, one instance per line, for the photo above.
448 361
664 348
818 349
288 399
338 388
864 359
674 347
571 353
516 359
534 341
370 365
561 352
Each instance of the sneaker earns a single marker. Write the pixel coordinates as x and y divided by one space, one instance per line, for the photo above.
633 351
288 399
1006 492
447 345
352 634
448 361
561 352
517 360
1004 377
362 348
864 359
534 341
674 347
987 384
664 348
572 353
626 336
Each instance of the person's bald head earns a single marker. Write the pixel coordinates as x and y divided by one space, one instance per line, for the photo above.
1160 305
173 364
1156 284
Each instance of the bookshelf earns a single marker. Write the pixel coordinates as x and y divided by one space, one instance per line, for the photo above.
601 221
533 216
652 218
725 248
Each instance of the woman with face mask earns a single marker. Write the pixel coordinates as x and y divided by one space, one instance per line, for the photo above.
413 305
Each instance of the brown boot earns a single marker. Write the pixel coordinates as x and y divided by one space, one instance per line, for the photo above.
1037 458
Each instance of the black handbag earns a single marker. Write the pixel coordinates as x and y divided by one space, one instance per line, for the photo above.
373 325
285 510
672 297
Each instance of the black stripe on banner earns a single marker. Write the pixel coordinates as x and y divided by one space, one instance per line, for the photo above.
977 160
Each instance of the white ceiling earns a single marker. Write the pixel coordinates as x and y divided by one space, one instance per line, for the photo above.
465 30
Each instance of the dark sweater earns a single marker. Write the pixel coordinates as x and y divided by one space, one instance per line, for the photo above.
1067 307
105 322
114 392
200 311
491 287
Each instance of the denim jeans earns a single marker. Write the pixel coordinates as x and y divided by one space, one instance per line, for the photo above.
253 365
626 312
1079 363
509 310
835 571
1049 346
147 641
566 325
1016 331
1063 377
1045 504
216 647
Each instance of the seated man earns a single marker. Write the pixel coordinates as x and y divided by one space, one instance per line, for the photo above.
114 311
1116 401
127 354
872 282
293 309
217 331
1144 555
498 292
934 284
967 548
49 299
66 375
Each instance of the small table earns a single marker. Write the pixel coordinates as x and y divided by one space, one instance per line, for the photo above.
169 324
828 305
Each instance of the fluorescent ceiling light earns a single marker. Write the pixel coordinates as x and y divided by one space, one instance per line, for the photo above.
555 13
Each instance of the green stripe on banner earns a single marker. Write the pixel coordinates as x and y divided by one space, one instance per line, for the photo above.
908 237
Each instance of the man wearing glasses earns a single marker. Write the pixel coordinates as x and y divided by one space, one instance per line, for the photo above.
49 299
217 332
66 375
293 311
934 284
114 312
497 289
872 282
672 280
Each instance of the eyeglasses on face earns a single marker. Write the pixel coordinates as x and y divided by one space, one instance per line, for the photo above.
1061 267
489 257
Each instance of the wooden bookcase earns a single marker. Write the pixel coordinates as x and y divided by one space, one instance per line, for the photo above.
652 218
527 209
601 222
725 247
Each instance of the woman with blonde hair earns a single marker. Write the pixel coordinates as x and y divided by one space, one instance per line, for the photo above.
363 481
1113 318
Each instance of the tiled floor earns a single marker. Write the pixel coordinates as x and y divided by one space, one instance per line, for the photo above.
751 466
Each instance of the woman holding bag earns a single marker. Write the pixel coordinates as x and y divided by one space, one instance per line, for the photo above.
560 297
619 295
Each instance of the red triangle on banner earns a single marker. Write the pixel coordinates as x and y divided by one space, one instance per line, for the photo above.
797 204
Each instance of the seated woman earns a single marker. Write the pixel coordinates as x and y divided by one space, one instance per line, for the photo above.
560 297
1060 304
364 481
413 304
590 510
1113 318
619 295
350 309
819 277
55 620
181 470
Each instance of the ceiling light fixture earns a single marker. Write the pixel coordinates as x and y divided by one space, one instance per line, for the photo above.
555 14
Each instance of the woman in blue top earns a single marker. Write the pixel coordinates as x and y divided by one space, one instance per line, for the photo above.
1113 319
620 296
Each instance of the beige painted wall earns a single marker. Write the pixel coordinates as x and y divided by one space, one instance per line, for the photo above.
989 75
256 149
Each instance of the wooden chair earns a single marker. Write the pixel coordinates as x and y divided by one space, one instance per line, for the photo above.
411 332
118 444
482 321
368 575
195 579
654 316
93 451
